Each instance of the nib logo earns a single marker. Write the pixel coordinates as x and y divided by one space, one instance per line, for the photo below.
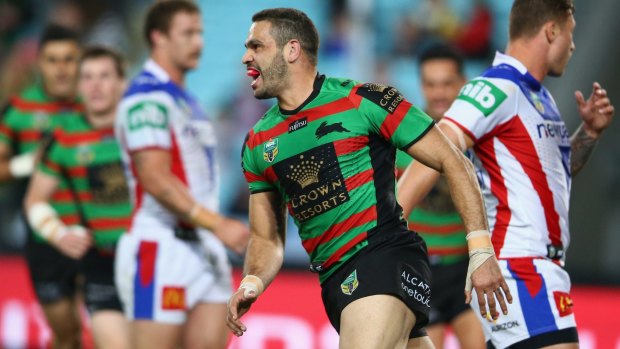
325 129
483 95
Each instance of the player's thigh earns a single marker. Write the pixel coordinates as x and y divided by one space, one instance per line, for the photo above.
468 331
206 327
436 333
146 334
375 322
563 346
423 342
110 330
63 317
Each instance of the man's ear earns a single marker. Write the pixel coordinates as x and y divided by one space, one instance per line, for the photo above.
292 51
552 31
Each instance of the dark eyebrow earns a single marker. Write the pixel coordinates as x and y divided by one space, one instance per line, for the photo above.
252 42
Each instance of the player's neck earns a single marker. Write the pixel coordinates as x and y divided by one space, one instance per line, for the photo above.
50 95
175 74
101 121
531 55
301 85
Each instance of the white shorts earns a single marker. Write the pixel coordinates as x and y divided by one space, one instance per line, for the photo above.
541 303
160 277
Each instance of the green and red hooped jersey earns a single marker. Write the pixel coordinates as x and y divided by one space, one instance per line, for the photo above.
90 161
437 221
332 161
31 117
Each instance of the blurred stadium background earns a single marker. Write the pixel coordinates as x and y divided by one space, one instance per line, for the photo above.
368 40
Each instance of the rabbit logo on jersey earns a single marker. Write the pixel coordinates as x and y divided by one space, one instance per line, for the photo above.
312 181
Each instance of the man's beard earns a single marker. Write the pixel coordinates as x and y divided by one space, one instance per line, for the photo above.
273 79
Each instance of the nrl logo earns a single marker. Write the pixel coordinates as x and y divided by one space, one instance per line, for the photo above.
305 172
270 150
349 285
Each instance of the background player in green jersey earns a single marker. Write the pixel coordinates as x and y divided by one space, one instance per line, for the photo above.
23 124
326 152
436 218
90 161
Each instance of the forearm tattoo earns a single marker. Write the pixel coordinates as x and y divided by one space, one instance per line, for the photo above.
582 146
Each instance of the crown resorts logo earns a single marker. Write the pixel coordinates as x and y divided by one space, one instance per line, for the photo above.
305 172
376 87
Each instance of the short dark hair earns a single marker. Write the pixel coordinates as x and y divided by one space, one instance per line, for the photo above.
160 14
288 24
55 32
443 51
528 16
98 51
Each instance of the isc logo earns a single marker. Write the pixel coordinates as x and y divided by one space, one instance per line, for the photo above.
483 95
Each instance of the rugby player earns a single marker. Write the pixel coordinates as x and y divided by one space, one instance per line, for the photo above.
525 160
172 270
326 153
89 160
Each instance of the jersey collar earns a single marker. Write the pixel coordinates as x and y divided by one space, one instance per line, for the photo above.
316 88
504 59
152 67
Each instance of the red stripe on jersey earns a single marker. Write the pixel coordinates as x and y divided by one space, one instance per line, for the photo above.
393 120
356 220
176 166
72 139
251 177
70 219
447 251
321 111
6 131
68 196
436 229
344 249
77 172
270 175
520 145
486 153
50 107
524 269
354 97
359 179
350 145
110 223
52 165
139 192
29 136
463 128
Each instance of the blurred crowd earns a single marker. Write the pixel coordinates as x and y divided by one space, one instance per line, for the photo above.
385 35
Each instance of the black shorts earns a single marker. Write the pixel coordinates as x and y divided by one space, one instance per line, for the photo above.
54 276
448 292
99 288
393 263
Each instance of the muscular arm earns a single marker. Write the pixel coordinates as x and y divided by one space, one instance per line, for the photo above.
154 174
582 146
40 189
5 160
436 153
267 236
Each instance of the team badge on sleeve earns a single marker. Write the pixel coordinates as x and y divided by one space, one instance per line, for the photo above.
483 95
350 283
270 150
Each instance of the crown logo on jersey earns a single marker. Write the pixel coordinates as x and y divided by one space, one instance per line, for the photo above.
372 87
305 172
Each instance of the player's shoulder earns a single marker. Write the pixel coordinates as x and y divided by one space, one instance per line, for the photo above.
146 86
486 93
338 86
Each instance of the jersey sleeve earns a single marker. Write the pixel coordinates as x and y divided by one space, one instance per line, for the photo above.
391 116
257 181
144 124
7 134
481 105
51 159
